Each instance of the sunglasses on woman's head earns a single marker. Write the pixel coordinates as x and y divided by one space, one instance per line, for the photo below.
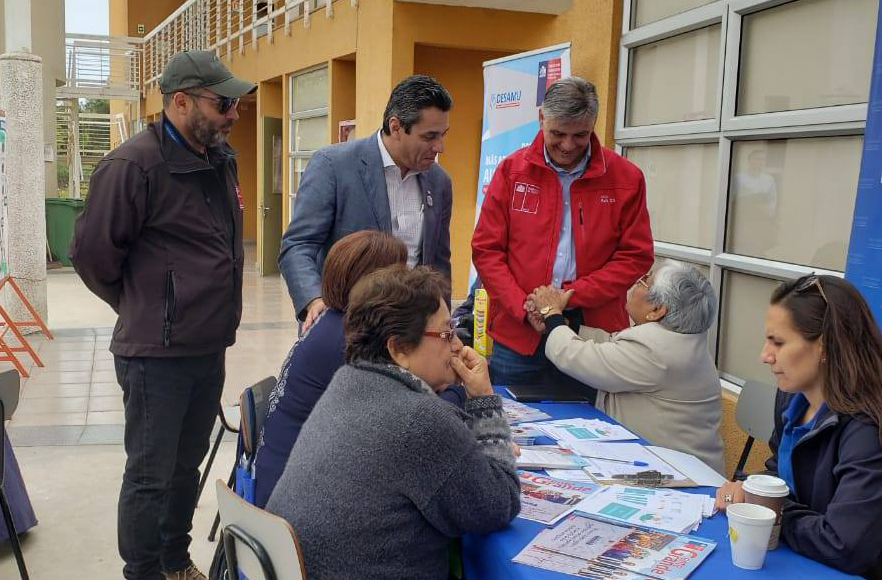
809 282
223 104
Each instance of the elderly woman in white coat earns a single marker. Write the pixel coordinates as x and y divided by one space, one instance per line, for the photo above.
656 378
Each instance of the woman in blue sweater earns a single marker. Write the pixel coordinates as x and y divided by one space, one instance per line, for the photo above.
316 356
825 351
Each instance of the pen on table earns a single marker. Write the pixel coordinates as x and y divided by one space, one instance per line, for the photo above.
634 463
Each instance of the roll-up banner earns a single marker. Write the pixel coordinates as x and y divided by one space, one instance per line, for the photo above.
864 265
514 87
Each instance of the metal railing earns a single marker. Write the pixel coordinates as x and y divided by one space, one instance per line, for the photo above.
224 26
83 139
103 67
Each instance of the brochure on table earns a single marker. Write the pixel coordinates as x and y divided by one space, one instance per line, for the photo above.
579 430
546 500
587 546
520 413
662 509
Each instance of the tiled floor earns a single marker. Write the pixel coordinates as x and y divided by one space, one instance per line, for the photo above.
67 430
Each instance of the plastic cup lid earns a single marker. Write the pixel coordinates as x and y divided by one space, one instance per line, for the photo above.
766 485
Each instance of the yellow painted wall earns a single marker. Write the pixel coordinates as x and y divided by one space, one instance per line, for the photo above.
269 104
461 71
244 140
150 13
342 94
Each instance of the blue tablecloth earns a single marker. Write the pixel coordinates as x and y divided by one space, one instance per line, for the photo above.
488 556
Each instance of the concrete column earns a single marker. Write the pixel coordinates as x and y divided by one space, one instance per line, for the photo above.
21 96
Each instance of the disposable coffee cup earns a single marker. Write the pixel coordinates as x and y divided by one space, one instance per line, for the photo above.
770 492
750 526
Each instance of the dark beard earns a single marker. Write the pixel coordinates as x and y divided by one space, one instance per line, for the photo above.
204 132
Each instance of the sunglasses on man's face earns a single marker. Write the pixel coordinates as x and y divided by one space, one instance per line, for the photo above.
223 104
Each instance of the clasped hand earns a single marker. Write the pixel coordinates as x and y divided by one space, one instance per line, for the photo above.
541 297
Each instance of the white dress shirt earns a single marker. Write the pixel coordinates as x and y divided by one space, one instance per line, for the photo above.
405 205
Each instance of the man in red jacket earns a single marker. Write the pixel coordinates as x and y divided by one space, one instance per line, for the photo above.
563 211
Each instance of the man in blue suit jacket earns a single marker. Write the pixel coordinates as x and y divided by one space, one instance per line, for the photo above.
388 181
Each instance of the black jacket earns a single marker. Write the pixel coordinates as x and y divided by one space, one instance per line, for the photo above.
160 240
834 515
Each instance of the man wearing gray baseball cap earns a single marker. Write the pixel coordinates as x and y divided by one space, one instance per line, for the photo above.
160 240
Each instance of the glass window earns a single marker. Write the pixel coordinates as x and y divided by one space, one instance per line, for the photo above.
660 260
645 11
675 79
310 90
311 133
792 200
681 186
742 330
811 53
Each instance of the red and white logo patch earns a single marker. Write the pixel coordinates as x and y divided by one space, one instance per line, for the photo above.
239 197
525 197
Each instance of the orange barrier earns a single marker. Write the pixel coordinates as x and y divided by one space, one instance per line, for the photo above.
7 324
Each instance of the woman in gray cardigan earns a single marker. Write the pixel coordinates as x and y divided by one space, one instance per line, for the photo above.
384 473
656 378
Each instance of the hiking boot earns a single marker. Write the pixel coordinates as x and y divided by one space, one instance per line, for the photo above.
191 572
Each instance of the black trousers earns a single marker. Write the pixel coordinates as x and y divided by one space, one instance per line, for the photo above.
170 409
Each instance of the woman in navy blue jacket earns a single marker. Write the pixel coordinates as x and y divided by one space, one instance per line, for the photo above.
316 356
825 351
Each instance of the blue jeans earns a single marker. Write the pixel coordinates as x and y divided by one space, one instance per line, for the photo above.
170 408
510 368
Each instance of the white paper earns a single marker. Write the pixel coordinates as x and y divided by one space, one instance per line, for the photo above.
576 430
542 456
663 509
690 466
629 452
569 474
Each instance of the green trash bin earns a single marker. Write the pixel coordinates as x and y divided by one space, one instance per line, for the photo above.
60 217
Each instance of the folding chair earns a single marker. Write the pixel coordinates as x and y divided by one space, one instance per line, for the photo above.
226 425
257 543
755 415
10 382
253 407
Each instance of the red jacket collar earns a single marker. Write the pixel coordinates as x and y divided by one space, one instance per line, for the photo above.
596 165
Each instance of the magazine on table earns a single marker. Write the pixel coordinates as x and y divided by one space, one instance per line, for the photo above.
663 509
520 413
546 500
598 548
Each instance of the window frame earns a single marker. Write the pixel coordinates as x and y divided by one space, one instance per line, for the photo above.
294 154
725 129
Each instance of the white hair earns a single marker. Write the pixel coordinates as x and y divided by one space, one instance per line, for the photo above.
688 296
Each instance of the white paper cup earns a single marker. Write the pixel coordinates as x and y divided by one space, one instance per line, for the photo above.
750 526
768 491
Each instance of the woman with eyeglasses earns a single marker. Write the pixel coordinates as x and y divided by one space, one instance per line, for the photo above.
825 351
656 378
385 473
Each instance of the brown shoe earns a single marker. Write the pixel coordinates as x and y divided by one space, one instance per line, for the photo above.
191 572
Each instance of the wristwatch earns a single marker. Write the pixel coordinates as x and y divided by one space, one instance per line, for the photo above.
545 311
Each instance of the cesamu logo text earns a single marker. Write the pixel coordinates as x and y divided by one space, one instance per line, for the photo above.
505 100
